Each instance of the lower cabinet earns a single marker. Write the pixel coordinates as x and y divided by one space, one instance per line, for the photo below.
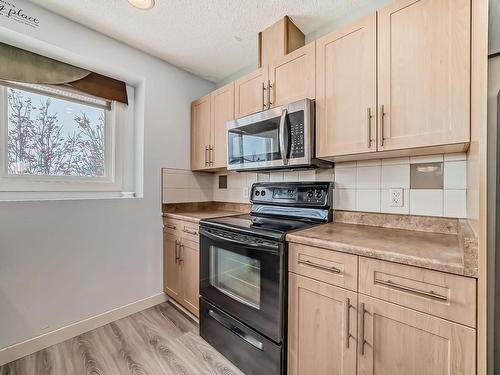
335 331
181 267
397 340
322 328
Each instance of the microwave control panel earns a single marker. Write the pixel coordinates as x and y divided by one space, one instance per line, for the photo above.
296 121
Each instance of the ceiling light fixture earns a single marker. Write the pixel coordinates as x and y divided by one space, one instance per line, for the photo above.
142 4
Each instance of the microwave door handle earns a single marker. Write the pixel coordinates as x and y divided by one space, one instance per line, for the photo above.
283 141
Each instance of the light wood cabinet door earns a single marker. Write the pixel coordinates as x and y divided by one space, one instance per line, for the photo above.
320 315
171 271
424 73
222 111
250 94
200 133
398 340
346 90
189 265
292 76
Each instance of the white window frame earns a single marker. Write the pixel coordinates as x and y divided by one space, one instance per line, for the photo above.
111 182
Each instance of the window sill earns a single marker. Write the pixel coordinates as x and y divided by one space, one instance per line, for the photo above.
23 196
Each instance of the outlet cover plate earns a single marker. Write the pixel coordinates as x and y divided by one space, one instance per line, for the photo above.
396 197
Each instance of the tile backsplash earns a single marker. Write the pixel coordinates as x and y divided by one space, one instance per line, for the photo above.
366 186
359 186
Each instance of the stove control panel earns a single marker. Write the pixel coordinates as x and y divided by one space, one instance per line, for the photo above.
295 193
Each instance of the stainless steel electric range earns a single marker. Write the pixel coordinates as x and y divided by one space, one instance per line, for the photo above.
243 273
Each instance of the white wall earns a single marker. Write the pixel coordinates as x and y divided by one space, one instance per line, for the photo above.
63 261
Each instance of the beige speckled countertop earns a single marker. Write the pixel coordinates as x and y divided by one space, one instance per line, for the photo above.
450 248
196 216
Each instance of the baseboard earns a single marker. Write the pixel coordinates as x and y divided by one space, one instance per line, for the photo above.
16 351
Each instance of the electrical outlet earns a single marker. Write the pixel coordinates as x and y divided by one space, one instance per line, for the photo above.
396 196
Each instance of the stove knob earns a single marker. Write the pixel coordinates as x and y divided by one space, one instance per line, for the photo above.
310 194
319 195
257 193
263 193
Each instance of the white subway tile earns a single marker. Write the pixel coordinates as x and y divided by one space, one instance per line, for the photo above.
426 159
455 175
309 175
345 199
368 177
386 203
368 163
276 177
368 200
427 202
396 176
291 176
455 157
325 174
251 179
396 161
345 178
263 177
455 203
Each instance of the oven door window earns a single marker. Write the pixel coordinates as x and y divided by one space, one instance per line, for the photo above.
235 275
254 143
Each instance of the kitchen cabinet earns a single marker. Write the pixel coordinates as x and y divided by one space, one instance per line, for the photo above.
322 328
200 133
397 340
396 82
209 115
400 319
284 80
346 90
424 73
181 263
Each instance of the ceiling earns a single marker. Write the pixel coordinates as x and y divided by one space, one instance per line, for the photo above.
210 38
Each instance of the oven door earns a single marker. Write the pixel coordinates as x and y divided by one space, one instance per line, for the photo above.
276 138
243 276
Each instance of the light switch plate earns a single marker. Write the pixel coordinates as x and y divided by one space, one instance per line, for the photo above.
396 196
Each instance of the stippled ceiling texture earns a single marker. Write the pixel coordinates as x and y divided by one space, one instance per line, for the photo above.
210 38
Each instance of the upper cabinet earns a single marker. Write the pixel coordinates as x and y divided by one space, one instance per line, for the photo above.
424 73
209 115
346 90
414 100
284 80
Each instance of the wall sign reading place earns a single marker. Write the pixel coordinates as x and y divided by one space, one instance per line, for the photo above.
16 14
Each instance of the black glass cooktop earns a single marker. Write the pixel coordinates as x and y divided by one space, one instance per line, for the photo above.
263 226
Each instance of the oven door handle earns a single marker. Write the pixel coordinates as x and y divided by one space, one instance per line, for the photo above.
238 332
260 246
283 141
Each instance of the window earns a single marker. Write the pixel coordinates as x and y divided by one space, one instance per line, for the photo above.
57 140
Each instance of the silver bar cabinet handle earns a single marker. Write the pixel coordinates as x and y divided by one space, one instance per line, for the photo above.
211 155
206 158
170 226
190 231
320 266
347 322
430 294
362 329
264 104
176 251
269 88
369 125
180 248
382 131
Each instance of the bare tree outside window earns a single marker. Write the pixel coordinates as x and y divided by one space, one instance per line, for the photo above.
54 137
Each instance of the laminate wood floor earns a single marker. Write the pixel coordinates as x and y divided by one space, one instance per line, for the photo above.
157 341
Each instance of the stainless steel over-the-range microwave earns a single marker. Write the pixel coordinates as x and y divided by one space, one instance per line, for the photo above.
281 137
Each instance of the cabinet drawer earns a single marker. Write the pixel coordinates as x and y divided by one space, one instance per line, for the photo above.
329 266
171 226
190 231
451 297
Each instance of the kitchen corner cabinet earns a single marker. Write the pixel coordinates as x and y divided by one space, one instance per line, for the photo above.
284 80
397 340
181 263
209 115
346 89
401 76
322 328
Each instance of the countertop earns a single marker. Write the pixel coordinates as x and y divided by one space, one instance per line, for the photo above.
196 216
454 251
